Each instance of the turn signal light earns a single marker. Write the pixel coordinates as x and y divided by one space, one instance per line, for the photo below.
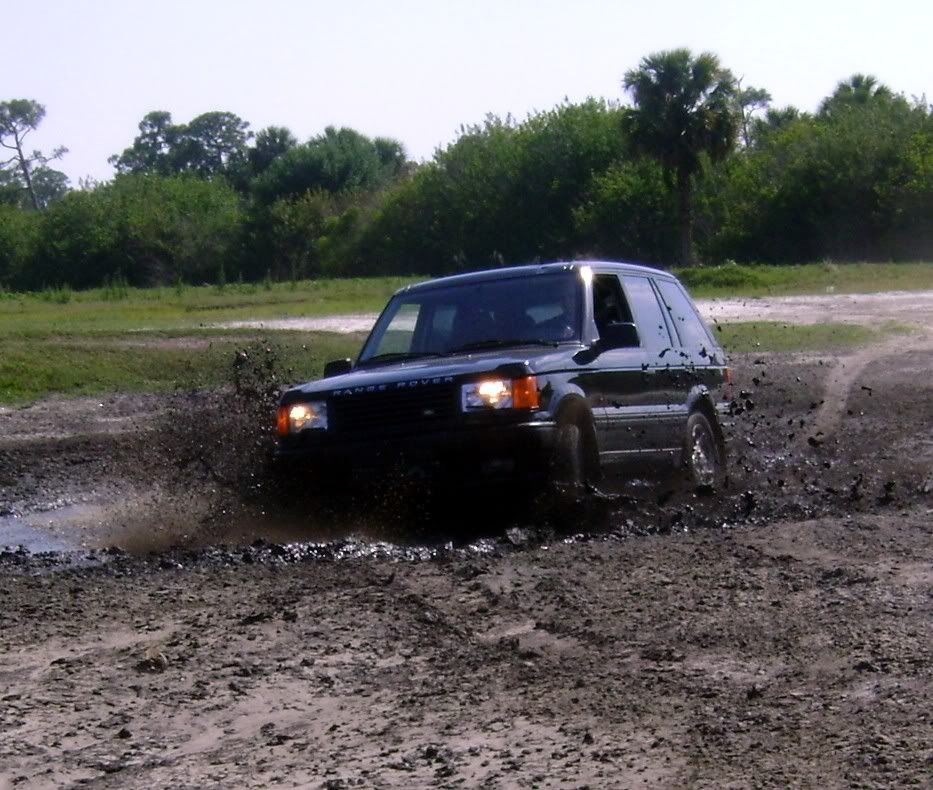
525 393
281 421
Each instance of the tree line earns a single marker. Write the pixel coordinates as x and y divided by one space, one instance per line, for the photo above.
697 169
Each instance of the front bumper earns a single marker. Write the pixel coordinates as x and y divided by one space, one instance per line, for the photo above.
462 453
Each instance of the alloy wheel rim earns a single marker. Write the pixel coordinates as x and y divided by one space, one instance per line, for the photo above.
703 457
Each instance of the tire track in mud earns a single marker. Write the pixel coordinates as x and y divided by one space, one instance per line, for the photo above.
844 375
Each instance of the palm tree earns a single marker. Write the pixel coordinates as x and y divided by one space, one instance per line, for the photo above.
685 108
860 90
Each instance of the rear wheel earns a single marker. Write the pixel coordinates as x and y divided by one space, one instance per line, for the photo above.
704 458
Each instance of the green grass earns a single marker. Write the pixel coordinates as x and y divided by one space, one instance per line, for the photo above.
749 336
116 308
33 368
110 310
813 278
123 339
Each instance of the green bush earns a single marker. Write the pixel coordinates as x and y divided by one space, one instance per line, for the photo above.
852 182
146 230
502 192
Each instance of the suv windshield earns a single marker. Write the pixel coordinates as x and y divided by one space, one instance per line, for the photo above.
539 309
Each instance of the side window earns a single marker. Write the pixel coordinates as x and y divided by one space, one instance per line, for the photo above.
609 305
684 318
648 316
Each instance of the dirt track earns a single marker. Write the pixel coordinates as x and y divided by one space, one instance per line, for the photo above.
794 654
781 635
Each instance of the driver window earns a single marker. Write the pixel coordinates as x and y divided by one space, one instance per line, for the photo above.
609 305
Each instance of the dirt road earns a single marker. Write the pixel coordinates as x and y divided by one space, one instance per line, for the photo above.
797 654
778 635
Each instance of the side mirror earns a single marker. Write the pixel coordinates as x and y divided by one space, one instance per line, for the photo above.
621 335
337 367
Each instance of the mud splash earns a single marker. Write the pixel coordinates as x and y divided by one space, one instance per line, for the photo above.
808 436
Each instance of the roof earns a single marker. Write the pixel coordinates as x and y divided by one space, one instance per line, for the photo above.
510 272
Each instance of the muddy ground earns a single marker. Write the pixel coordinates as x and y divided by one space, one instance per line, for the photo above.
778 634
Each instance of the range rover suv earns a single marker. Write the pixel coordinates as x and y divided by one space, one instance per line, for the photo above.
558 373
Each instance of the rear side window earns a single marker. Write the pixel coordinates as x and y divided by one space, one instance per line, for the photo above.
648 316
684 318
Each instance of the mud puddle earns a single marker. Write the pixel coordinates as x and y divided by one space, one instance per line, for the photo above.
31 535
161 527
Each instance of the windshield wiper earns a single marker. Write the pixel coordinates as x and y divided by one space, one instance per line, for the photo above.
480 345
398 356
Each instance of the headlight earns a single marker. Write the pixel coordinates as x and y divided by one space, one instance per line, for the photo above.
301 416
500 394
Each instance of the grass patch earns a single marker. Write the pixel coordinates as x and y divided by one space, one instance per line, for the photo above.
32 369
113 310
735 280
117 308
750 336
124 339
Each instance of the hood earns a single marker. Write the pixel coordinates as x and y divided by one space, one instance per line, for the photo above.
437 370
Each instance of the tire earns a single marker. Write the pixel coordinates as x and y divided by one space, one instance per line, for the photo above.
570 503
703 456
568 465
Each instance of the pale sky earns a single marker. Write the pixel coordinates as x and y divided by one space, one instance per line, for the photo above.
415 69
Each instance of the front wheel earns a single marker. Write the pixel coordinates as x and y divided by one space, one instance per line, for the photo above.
568 463
570 503
704 458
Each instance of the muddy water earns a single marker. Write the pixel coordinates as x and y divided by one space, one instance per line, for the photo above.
79 527
31 534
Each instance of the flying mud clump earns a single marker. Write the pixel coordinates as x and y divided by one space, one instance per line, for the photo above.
211 456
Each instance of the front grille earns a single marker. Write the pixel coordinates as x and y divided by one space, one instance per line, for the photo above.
394 411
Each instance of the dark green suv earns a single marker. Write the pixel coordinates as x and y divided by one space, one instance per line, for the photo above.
558 372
